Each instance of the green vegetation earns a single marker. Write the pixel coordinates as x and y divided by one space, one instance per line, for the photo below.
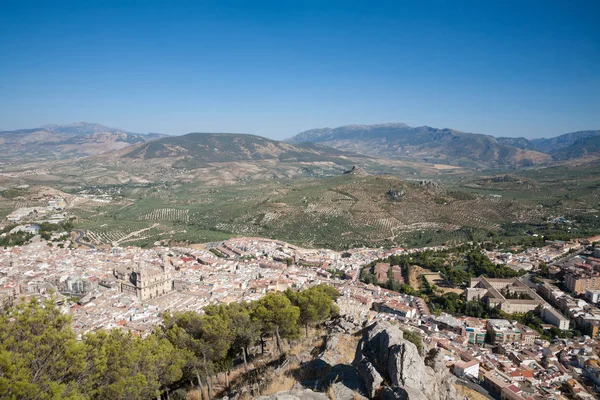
414 338
13 193
480 265
8 239
217 253
457 265
336 273
46 229
228 147
41 358
303 205
315 304
339 213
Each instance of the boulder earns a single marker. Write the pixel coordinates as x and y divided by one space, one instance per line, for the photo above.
331 354
296 394
406 368
343 392
371 378
395 195
441 379
398 362
388 393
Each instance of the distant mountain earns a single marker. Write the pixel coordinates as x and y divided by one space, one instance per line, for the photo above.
198 148
557 143
52 142
448 146
582 148
520 142
82 128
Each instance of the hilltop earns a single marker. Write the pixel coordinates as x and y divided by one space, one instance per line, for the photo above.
228 147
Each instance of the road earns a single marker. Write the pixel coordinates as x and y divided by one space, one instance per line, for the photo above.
80 235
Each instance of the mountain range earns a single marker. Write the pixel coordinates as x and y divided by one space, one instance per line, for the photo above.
52 142
383 141
449 146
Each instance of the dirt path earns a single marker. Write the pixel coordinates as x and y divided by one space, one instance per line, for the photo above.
116 243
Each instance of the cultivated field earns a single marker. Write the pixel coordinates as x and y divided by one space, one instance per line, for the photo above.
339 212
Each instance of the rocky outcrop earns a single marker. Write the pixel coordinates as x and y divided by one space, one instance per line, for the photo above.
397 361
341 378
296 394
395 195
429 185
440 378
356 171
370 376
385 366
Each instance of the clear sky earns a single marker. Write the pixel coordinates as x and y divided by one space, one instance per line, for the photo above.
507 68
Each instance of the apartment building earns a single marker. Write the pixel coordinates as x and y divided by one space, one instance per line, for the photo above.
510 295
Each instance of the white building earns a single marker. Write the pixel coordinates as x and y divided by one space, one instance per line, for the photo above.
592 295
467 368
552 316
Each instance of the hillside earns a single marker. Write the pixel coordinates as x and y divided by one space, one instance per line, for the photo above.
556 144
55 142
584 147
338 212
229 147
426 144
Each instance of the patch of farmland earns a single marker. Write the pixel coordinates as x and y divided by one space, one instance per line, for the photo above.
239 229
26 203
115 234
166 214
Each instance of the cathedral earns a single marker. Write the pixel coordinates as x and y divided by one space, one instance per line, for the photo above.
146 281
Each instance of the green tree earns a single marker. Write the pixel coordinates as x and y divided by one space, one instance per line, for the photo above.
208 337
277 316
123 366
244 329
40 357
315 304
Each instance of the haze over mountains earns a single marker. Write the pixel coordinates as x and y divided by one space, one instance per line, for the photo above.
400 141
392 141
52 142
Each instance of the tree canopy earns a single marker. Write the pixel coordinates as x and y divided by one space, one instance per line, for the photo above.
42 358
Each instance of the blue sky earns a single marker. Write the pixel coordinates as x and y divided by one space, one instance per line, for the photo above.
507 68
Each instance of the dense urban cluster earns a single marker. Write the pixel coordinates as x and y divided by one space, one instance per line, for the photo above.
522 325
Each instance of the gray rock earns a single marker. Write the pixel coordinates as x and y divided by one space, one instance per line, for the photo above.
387 393
395 195
294 394
331 355
347 326
399 361
345 382
378 338
371 378
406 367
343 392
442 380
